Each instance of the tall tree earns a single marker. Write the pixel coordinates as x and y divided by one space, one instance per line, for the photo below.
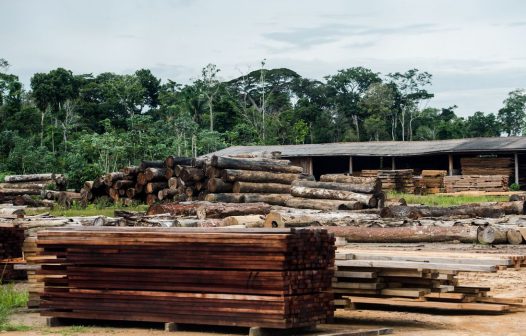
512 116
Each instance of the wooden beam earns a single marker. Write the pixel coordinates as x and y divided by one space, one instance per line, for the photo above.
516 160
450 164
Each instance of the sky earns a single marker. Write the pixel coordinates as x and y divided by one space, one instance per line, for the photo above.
475 49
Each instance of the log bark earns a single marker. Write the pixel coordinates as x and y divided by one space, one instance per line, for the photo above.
227 198
491 235
317 193
27 200
224 163
124 184
514 237
212 172
192 174
489 210
31 177
249 221
172 161
340 178
131 193
155 174
216 185
16 192
273 199
464 234
151 164
26 185
302 218
364 188
131 170
222 210
176 208
323 204
169 173
167 193
109 178
262 188
235 175
154 187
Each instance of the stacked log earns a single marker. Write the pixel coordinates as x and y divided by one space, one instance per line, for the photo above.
398 180
433 180
219 277
489 183
251 180
31 185
487 166
336 192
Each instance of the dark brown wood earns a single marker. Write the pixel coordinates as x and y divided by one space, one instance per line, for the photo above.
154 187
262 188
224 163
273 199
222 210
227 198
323 204
172 161
216 185
234 175
364 188
319 193
151 164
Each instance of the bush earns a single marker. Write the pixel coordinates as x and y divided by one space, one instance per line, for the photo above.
515 187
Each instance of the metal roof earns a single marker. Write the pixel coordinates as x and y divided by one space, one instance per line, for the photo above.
388 148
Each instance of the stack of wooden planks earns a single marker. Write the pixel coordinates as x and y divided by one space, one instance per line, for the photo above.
11 239
433 181
489 183
399 180
419 279
277 278
487 166
337 192
15 187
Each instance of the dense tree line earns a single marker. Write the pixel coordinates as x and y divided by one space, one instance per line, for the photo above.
86 124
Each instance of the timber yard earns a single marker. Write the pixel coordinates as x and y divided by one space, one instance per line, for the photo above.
307 239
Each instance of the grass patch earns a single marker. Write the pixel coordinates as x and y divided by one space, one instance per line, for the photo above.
11 298
90 210
446 200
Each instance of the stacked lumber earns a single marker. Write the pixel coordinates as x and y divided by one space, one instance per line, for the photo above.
399 180
433 180
249 180
336 192
278 278
35 288
16 186
489 183
487 166
419 279
11 239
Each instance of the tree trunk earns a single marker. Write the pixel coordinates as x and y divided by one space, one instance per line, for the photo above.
151 164
216 185
340 178
131 170
235 175
109 178
263 188
124 184
154 187
430 234
26 185
249 221
172 161
16 192
489 210
514 237
323 204
371 188
492 235
227 198
302 218
175 209
192 174
222 210
230 163
155 174
31 177
273 199
317 193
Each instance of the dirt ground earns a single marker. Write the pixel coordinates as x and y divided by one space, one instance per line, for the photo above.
506 283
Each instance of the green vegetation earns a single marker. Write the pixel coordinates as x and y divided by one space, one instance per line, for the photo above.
90 210
10 299
85 124
446 200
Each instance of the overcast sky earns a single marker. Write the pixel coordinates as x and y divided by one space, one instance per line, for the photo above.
475 49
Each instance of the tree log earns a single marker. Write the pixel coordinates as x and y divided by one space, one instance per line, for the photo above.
131 192
155 174
192 174
212 172
27 200
340 178
141 179
172 161
26 185
430 234
364 188
492 235
154 187
514 237
227 198
224 163
216 185
151 199
262 188
323 204
222 210
131 170
109 178
249 221
235 175
16 192
176 208
32 177
273 199
172 183
302 218
151 164
317 193
489 210
124 184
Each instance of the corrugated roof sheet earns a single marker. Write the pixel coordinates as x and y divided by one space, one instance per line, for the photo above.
388 148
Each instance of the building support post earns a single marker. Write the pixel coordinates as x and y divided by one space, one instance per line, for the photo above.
516 157
350 165
450 166
393 163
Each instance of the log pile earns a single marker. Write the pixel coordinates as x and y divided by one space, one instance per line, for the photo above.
433 181
336 192
418 279
399 180
264 278
16 186
249 180
487 166
489 183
